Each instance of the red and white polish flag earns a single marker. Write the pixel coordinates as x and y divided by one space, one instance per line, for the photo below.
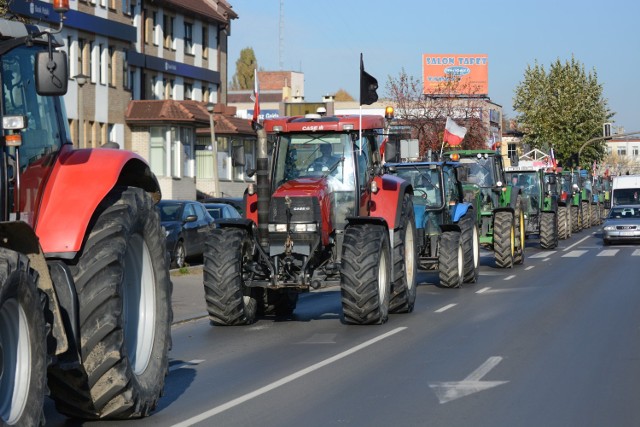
453 132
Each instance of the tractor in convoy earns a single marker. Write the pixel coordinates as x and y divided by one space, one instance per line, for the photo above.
322 212
540 196
577 190
498 205
447 234
85 293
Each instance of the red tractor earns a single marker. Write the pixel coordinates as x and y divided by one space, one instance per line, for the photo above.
85 294
322 213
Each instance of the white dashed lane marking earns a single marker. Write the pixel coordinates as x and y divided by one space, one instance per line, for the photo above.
609 252
574 254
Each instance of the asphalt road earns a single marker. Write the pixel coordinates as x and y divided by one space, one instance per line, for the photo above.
553 342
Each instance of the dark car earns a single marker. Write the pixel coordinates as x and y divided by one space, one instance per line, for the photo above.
222 210
236 202
187 224
623 223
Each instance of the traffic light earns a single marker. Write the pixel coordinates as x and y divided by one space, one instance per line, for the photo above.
606 130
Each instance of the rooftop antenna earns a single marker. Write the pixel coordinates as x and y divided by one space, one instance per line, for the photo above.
281 43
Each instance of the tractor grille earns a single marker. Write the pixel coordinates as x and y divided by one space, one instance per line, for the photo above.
303 210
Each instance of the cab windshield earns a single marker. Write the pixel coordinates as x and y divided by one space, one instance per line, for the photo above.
316 155
480 171
426 185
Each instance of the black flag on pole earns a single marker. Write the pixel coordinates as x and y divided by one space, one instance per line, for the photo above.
368 86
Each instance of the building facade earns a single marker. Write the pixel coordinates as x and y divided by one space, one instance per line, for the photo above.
123 51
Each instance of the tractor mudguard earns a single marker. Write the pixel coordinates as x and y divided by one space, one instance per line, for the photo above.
459 210
77 184
387 202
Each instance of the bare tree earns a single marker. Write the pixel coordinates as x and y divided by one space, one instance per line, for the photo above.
425 114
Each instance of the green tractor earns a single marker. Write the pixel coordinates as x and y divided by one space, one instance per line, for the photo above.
541 202
498 205
576 198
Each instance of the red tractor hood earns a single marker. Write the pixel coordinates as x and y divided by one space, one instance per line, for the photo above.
304 187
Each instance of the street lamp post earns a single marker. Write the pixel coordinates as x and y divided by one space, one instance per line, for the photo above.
80 79
599 138
214 149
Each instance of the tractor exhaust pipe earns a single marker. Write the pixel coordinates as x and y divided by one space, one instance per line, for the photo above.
263 187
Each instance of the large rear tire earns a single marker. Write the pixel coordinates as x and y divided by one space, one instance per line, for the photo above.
124 297
585 214
470 247
365 274
450 259
229 301
548 230
503 239
23 351
405 267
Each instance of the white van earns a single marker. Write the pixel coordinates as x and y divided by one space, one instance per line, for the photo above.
625 190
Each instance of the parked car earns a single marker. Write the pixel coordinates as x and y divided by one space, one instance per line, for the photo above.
222 210
236 202
622 224
187 224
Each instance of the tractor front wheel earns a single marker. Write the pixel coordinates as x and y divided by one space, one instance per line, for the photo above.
23 352
229 301
470 247
450 260
124 298
548 230
365 274
403 287
503 239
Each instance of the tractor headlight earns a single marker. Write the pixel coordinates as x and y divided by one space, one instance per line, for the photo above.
297 228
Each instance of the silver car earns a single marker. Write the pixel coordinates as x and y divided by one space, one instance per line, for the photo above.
623 223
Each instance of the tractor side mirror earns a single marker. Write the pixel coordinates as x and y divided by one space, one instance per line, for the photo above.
52 73
463 174
391 151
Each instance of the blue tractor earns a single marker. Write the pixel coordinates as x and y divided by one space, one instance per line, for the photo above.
445 224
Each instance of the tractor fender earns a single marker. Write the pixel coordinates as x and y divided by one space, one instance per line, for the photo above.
78 183
387 201
459 210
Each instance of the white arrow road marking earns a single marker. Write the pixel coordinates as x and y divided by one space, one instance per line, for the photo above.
452 390
186 364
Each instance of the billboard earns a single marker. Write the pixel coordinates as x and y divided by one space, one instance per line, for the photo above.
439 70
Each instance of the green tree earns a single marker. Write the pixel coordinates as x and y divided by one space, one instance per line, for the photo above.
246 65
343 96
425 114
562 108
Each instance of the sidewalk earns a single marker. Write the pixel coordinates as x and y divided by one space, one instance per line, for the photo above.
188 295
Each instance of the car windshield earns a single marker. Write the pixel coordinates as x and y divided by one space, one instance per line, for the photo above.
624 212
170 212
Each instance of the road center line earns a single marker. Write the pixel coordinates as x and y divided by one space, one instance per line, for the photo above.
529 268
576 243
289 378
483 290
445 308
510 277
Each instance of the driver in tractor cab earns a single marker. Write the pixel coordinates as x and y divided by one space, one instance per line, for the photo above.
326 160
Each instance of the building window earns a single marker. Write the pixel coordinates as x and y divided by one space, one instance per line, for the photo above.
205 42
94 60
188 91
156 33
622 151
157 150
126 7
512 151
126 78
81 44
103 64
168 31
188 38
111 69
635 150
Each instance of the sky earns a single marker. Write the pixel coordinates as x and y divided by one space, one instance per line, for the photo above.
324 39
